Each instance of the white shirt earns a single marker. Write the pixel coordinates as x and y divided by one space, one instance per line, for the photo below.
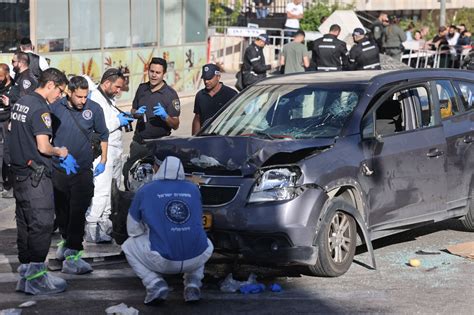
111 119
453 41
295 9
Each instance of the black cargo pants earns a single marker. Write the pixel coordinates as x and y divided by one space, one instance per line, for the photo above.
72 196
34 217
6 173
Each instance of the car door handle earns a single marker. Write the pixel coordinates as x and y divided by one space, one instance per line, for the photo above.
434 153
467 139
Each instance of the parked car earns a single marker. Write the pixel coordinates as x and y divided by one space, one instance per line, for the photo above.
296 167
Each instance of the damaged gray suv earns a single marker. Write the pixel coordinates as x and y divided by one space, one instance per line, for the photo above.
296 169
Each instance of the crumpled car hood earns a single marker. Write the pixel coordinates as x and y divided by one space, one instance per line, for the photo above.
235 155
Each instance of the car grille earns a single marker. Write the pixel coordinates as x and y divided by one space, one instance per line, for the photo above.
189 169
213 196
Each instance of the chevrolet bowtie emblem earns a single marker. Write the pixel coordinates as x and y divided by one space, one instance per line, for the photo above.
198 179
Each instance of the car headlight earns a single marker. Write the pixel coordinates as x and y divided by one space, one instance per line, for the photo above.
276 185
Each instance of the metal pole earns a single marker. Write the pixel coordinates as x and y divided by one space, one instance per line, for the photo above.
442 12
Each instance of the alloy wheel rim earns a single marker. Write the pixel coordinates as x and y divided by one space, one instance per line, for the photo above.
339 239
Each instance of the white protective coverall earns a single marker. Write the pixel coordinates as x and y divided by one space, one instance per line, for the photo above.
148 263
98 224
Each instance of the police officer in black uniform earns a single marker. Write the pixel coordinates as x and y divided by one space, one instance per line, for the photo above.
330 53
254 68
75 117
157 107
31 151
24 78
364 55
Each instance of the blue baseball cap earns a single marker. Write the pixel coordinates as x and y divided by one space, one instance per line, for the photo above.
209 71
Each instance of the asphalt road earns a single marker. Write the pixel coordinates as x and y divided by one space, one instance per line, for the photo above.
443 284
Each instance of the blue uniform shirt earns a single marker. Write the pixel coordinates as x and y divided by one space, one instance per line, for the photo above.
66 132
173 213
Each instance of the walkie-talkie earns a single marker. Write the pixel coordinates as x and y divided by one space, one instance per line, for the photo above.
37 173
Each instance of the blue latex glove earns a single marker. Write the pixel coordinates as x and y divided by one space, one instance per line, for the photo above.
252 288
69 164
99 169
124 120
141 110
275 287
160 111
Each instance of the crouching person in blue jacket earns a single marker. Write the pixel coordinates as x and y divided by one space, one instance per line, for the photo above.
166 235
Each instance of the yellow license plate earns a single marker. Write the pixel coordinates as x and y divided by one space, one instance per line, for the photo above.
207 220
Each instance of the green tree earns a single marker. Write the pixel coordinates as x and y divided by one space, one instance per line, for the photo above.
464 16
313 15
218 14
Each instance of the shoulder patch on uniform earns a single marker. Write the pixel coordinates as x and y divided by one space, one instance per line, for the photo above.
26 84
46 119
176 104
87 114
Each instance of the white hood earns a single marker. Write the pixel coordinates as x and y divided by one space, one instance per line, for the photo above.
171 168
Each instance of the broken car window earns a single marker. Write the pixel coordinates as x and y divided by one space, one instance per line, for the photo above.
447 99
467 94
289 111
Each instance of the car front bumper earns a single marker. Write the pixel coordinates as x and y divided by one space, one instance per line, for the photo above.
280 233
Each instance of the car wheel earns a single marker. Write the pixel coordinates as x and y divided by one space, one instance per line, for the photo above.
468 219
336 244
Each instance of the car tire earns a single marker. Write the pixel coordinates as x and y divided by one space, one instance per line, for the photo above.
468 219
336 244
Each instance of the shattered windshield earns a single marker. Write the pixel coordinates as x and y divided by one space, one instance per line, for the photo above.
288 111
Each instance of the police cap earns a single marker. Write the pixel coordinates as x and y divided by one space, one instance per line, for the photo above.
209 71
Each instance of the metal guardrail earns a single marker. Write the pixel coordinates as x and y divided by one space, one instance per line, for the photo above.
277 38
445 56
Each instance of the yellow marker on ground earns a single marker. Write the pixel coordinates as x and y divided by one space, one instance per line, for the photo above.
414 262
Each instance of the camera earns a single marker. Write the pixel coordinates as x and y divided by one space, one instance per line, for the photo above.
129 127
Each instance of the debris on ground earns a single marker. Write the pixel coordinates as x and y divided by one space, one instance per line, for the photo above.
422 252
414 262
275 287
465 250
121 309
230 285
252 288
10 311
27 304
